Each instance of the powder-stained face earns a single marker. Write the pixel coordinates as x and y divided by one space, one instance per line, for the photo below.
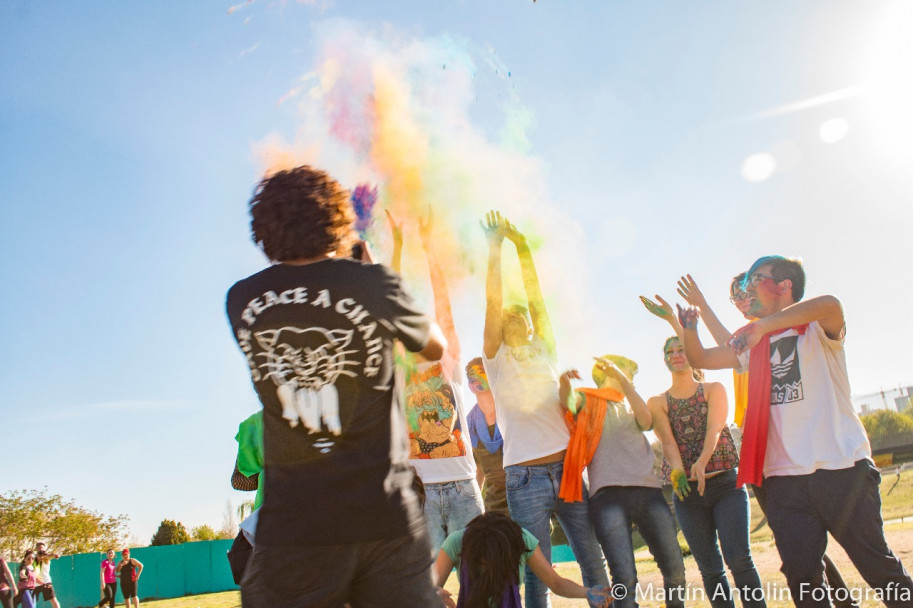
763 293
739 298
515 328
477 379
674 355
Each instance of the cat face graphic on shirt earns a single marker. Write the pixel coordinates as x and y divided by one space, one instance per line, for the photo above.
304 364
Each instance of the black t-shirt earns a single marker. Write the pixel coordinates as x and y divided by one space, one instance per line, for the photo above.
319 344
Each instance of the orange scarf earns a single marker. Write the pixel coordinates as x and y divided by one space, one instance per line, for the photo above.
586 430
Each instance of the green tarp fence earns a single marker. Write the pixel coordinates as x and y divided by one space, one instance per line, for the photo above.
168 571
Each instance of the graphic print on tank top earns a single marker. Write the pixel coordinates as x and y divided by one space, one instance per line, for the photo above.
304 364
434 425
786 376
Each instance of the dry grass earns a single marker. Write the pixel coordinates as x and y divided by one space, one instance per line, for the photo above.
900 538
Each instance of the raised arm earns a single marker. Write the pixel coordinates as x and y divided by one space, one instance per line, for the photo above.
638 406
493 225
688 289
442 310
717 410
719 357
396 230
537 311
663 430
826 310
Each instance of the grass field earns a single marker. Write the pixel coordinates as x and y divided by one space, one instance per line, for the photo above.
897 504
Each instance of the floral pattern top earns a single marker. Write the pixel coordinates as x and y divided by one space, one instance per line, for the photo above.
688 419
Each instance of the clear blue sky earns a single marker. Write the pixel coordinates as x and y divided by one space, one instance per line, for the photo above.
128 134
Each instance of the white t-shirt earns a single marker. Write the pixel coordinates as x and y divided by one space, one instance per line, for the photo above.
812 421
439 444
524 382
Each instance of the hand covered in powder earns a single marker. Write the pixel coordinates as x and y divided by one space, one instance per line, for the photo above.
494 226
514 235
599 596
663 309
680 484
396 228
745 338
688 317
688 289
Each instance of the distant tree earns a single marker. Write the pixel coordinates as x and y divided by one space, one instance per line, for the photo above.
887 428
27 516
170 533
204 532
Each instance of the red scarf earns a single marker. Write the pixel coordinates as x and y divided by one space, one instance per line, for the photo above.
586 431
757 412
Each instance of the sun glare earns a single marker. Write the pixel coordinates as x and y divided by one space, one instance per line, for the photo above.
833 130
758 167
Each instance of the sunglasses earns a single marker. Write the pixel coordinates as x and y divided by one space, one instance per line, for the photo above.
739 296
757 277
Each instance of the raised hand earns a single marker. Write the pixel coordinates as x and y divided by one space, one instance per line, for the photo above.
610 369
396 227
688 289
425 224
680 484
745 338
688 317
663 309
514 235
599 596
494 227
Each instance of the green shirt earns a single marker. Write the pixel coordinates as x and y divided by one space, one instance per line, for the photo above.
250 451
454 545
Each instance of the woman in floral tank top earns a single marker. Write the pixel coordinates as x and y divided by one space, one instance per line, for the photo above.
700 460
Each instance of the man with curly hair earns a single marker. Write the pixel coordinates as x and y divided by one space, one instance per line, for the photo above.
339 521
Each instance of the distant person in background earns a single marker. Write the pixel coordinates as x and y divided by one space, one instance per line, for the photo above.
43 569
130 570
485 436
108 580
27 581
7 584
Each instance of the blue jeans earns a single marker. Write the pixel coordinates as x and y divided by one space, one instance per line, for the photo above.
450 506
532 497
802 509
612 510
723 511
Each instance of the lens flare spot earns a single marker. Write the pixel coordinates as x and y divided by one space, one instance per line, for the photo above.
758 167
833 130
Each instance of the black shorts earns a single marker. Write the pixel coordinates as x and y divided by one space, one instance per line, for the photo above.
393 573
128 588
46 590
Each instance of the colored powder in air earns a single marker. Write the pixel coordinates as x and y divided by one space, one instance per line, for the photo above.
364 198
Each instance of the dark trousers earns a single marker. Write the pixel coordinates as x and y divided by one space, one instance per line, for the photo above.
802 509
110 594
393 573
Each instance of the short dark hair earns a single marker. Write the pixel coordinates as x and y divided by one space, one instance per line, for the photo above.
782 268
302 213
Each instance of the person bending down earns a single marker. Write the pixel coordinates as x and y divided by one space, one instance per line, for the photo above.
490 555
